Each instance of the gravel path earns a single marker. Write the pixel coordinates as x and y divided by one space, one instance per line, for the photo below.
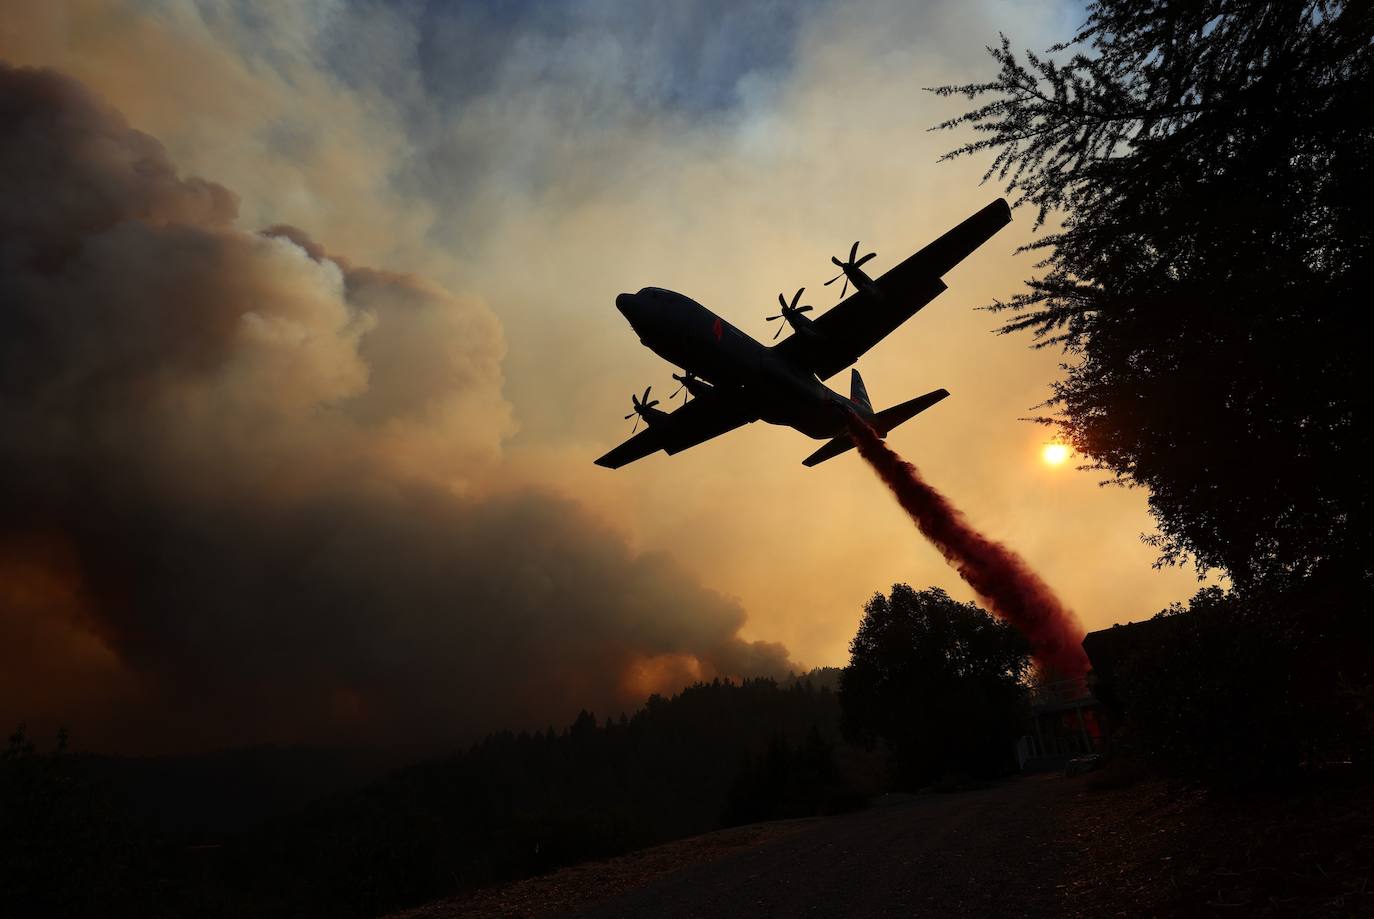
999 851
1046 846
993 852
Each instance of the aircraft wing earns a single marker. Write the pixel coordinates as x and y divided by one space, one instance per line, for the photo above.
696 422
846 332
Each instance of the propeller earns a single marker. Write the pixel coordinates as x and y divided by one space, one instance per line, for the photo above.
848 266
789 311
641 405
686 378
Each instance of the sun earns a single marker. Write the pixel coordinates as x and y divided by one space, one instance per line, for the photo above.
1055 454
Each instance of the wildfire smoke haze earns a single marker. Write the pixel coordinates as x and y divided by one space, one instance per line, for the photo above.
246 483
298 439
1000 576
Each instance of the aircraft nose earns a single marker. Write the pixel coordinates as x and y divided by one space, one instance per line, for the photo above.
626 304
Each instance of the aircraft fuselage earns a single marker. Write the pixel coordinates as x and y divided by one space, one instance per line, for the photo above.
736 380
685 333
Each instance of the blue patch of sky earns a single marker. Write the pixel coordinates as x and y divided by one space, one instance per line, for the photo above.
611 59
674 56
604 63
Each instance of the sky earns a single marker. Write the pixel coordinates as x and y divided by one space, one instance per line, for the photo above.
309 344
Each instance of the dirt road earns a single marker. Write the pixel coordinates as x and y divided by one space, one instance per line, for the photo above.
1007 850
994 852
1046 846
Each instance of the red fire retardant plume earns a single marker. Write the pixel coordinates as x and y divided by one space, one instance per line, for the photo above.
996 573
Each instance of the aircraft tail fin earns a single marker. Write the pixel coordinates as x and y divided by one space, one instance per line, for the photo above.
889 418
858 393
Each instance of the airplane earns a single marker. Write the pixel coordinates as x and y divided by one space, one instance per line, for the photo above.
734 380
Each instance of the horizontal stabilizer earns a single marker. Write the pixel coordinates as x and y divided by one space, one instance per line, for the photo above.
889 418
834 448
882 422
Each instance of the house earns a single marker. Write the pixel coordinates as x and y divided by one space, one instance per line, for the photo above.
1067 721
1073 717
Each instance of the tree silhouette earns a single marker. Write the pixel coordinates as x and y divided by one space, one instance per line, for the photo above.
938 681
1212 164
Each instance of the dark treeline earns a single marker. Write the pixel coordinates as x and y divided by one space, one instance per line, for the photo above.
935 690
513 805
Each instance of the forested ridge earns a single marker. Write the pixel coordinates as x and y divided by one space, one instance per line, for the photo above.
512 805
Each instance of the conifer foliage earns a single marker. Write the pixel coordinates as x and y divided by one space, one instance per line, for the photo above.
1203 174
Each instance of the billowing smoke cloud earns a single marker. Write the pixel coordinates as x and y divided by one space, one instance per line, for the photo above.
546 157
997 574
239 481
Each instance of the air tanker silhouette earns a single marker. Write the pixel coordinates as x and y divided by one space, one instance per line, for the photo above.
736 380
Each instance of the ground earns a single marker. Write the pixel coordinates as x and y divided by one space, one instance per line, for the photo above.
1038 846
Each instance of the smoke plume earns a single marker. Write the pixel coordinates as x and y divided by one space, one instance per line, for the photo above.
997 574
239 476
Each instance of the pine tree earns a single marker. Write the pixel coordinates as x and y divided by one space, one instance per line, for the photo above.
1206 169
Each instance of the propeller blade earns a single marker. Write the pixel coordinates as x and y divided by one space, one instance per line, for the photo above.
631 415
845 289
853 250
636 427
777 333
864 259
646 393
771 318
781 302
804 309
836 277
796 297
650 405
837 261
